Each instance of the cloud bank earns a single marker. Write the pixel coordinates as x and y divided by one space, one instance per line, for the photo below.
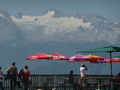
48 27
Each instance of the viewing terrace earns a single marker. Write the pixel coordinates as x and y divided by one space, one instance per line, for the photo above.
60 82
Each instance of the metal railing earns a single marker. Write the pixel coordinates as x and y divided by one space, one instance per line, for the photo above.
60 82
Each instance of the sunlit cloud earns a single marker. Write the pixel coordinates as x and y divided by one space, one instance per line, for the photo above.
47 26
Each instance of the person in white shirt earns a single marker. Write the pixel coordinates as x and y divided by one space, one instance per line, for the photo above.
83 70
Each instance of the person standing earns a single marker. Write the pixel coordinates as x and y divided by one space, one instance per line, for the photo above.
83 70
1 79
12 73
24 76
70 77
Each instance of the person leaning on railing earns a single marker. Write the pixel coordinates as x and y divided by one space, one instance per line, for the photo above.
71 80
70 77
25 77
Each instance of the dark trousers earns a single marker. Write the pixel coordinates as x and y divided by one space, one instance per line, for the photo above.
13 83
1 86
26 84
116 86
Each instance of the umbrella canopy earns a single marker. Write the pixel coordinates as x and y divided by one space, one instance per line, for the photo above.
87 58
78 58
96 59
107 49
103 49
118 56
113 60
58 56
39 56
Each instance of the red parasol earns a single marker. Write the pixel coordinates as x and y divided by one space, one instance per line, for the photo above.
113 60
57 56
39 56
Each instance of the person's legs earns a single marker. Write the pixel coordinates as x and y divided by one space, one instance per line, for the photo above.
82 83
25 83
14 83
19 84
11 84
1 86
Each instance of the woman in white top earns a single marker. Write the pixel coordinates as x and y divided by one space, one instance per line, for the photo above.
83 70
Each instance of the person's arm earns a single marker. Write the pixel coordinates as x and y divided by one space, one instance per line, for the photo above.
29 77
16 71
86 68
3 76
9 69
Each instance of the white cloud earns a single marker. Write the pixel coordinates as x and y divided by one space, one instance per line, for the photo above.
50 21
50 28
49 25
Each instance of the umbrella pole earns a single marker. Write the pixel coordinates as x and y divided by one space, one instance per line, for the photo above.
110 64
111 71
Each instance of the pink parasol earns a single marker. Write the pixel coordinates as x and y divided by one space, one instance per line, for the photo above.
87 58
78 58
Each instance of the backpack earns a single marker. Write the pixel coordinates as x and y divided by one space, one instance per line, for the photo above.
21 74
12 71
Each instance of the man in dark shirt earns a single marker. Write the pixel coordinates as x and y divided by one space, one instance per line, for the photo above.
12 73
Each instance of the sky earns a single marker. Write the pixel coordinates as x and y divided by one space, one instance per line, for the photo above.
47 32
108 8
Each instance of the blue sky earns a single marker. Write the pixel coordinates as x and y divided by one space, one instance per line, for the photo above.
108 8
